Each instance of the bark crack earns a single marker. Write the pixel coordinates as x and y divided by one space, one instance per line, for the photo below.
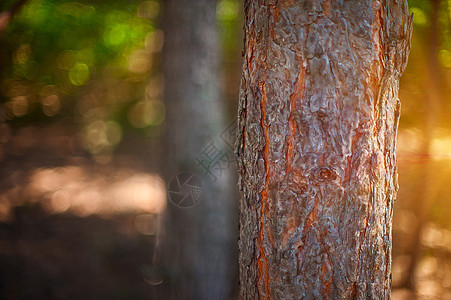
297 95
262 260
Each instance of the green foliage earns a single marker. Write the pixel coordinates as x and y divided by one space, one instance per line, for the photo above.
87 61
425 87
229 23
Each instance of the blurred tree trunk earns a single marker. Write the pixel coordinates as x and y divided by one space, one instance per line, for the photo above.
7 15
317 129
199 242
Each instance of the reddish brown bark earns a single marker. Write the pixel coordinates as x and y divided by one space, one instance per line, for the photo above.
318 118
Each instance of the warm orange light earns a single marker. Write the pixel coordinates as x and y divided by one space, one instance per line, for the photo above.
73 189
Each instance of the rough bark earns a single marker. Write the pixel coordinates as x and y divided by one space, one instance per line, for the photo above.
317 126
199 242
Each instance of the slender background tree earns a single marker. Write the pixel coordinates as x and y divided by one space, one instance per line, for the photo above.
200 241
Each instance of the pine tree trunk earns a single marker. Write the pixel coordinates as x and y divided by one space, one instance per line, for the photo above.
317 127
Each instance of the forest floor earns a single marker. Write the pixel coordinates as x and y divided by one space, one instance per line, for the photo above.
71 228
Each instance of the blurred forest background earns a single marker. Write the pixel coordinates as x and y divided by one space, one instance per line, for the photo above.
82 114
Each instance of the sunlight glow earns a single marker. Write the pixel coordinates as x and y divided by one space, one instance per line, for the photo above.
140 61
146 113
435 237
148 9
227 10
155 87
51 105
23 53
66 59
74 190
441 144
428 288
102 135
405 221
19 106
154 41
419 17
400 268
79 74
117 35
411 140
444 57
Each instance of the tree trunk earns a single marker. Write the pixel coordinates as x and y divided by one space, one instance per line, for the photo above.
199 241
317 126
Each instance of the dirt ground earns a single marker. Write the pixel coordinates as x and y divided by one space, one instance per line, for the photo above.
53 247
74 228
